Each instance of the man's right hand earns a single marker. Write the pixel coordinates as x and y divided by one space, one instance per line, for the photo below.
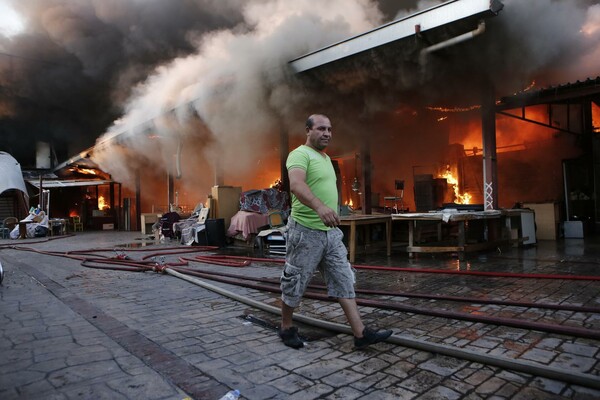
329 217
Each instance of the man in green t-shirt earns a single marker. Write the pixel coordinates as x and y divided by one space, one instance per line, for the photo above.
313 239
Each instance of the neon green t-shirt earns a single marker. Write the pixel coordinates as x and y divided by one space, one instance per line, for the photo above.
320 178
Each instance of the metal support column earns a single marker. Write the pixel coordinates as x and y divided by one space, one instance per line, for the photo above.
365 156
138 200
170 190
490 164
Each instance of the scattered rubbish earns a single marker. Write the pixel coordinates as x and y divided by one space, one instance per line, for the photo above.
231 395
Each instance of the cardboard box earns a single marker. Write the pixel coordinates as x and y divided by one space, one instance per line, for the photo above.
108 227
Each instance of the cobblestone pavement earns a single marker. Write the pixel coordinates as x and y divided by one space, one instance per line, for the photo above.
69 332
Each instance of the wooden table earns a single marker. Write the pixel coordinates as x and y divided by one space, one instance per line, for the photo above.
460 218
23 229
355 220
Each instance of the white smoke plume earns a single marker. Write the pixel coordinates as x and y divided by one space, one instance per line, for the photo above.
237 86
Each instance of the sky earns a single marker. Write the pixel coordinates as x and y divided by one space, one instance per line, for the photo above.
10 22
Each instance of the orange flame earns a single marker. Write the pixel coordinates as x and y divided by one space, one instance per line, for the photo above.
464 198
277 184
86 171
101 203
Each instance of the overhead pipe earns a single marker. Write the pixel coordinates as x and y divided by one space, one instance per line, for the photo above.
455 40
178 160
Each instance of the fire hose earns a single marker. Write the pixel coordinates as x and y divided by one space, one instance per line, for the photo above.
145 265
478 300
551 328
493 274
172 269
464 354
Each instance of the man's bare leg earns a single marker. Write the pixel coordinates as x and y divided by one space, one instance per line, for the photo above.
351 310
287 332
362 336
287 314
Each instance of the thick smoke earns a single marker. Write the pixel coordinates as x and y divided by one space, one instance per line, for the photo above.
65 78
237 86
212 76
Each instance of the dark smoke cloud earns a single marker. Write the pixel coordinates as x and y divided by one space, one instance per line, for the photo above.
66 77
82 64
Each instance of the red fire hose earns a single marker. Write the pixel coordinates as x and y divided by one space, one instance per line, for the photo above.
177 269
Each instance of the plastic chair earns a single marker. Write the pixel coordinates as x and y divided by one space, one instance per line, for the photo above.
273 239
77 224
4 231
8 225
276 219
399 187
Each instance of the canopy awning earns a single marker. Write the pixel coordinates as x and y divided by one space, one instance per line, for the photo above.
12 176
67 183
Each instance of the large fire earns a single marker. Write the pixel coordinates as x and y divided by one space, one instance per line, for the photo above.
464 198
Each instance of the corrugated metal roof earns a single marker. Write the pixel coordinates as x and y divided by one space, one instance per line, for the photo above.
552 94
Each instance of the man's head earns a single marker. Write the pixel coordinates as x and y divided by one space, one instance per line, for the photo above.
318 131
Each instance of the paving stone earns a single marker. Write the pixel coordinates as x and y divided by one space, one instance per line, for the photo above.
96 391
131 387
442 365
49 366
313 392
291 383
458 386
342 378
421 381
440 392
371 365
549 385
478 377
490 386
368 381
390 393
319 369
159 330
574 363
532 393
267 374
579 349
20 378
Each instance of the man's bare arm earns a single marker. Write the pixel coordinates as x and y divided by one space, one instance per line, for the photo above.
301 190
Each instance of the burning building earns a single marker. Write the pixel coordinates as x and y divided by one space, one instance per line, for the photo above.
426 98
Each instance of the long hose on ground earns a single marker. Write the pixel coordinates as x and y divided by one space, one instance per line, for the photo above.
444 271
124 264
502 362
511 364
512 322
464 299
